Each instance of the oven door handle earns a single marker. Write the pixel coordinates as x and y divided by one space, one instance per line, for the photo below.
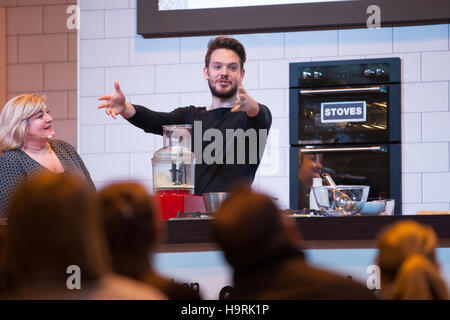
347 90
344 149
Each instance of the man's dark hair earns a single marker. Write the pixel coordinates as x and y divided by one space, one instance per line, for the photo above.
223 42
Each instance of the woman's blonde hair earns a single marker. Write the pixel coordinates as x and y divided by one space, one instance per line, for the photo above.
14 119
407 260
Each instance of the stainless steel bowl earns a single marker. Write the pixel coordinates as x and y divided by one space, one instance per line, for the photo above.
213 200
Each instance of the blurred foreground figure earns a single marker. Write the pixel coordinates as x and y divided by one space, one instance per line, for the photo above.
56 246
407 259
261 246
133 228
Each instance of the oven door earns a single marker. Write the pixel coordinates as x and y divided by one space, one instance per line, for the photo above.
377 166
352 114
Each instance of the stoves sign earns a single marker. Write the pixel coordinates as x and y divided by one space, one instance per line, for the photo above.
351 111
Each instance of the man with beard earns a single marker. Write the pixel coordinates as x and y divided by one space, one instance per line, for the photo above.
231 108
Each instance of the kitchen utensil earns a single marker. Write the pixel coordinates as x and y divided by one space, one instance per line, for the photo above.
213 200
343 201
340 200
174 172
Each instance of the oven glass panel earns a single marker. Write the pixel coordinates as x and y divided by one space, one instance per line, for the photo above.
346 168
313 125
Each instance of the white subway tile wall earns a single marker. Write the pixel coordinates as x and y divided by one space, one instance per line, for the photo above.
180 78
92 139
274 98
365 41
146 52
412 187
436 66
436 127
425 157
92 82
311 44
350 57
92 25
41 58
411 127
105 167
193 49
436 187
132 80
161 102
263 45
421 38
427 96
251 80
141 166
104 52
164 74
125 138
120 23
271 71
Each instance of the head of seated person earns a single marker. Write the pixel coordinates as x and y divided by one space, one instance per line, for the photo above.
53 224
132 226
407 259
249 228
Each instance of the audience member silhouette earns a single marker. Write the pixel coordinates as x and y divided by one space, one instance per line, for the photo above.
261 246
56 245
133 227
407 259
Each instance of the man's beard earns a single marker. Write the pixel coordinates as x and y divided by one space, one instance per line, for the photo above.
223 95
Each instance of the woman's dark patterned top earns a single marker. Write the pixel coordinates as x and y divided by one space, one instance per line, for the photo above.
17 166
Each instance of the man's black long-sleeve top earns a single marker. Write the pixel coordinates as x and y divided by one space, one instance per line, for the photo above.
221 175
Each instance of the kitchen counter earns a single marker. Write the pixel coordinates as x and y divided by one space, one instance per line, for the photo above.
194 234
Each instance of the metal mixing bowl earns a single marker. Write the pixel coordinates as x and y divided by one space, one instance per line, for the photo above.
213 200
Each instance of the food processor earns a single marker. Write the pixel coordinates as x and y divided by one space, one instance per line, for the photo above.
174 173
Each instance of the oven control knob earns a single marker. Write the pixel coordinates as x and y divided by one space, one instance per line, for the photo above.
379 72
369 73
306 75
317 75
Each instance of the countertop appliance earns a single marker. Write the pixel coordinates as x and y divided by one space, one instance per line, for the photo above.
173 174
345 120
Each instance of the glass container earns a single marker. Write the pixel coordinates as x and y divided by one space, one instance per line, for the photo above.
173 165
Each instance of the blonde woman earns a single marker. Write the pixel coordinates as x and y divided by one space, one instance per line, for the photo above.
27 147
407 259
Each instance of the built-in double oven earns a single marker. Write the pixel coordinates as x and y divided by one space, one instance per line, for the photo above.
345 121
